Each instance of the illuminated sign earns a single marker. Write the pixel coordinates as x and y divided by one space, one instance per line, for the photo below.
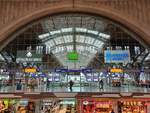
30 70
116 56
32 56
85 102
115 70
73 56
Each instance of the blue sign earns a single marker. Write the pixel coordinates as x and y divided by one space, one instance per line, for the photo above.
117 56
62 70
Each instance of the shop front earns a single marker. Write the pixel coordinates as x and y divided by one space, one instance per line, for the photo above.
132 106
95 105
64 105
17 106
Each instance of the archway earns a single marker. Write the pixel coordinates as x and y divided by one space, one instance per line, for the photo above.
13 29
131 24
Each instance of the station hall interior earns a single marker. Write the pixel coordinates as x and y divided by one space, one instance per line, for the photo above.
74 56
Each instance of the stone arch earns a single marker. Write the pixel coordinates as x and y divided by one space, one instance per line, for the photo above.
107 12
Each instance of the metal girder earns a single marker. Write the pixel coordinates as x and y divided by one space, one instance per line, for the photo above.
71 43
75 33
145 57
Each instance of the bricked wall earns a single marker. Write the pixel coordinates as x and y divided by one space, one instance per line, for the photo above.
134 11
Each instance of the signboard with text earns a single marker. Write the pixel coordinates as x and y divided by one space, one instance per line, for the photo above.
116 56
28 56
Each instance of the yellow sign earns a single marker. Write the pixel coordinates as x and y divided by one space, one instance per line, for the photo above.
30 70
115 70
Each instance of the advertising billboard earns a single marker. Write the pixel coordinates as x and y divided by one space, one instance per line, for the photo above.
116 56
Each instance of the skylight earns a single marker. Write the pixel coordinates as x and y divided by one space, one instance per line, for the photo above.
44 35
81 29
66 29
1 58
104 35
93 32
55 32
68 38
59 40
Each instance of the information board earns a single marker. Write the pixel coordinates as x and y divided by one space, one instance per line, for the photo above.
116 56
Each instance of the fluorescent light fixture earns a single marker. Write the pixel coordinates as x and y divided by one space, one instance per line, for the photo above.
81 29
104 35
66 29
55 32
93 32
44 36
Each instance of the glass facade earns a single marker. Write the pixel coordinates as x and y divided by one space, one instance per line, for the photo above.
42 48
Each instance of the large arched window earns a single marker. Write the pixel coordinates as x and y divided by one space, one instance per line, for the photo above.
48 41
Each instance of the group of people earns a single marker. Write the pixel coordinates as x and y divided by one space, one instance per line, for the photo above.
101 84
33 83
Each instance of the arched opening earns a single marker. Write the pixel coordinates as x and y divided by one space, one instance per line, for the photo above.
75 46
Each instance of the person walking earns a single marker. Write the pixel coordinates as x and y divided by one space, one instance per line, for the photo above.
101 84
19 85
71 84
112 111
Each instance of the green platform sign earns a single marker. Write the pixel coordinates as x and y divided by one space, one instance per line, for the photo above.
73 56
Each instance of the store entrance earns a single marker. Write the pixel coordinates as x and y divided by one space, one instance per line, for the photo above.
63 105
96 105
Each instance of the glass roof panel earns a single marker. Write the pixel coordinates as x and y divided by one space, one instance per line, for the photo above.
81 29
80 38
68 38
69 48
58 49
67 30
42 36
93 32
50 43
89 40
1 58
106 36
59 40
55 32
98 43
148 57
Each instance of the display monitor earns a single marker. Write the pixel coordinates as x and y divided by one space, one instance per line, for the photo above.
73 56
56 77
89 77
95 77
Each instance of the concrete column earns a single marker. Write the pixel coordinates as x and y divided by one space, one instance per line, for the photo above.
37 106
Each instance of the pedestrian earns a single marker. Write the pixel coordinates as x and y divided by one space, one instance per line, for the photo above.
19 85
71 84
112 111
101 84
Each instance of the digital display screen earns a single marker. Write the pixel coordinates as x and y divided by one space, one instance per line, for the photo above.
50 79
89 77
72 56
95 77
56 77
117 56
